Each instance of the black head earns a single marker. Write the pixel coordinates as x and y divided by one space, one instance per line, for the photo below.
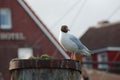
64 28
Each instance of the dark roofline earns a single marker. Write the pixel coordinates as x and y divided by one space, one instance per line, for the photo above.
106 36
106 49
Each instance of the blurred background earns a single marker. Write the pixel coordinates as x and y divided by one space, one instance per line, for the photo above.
31 28
79 15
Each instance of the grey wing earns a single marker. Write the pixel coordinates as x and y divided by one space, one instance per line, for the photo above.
77 42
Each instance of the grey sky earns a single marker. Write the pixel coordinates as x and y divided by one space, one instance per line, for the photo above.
79 15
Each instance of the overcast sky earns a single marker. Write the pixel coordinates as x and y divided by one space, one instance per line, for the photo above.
79 15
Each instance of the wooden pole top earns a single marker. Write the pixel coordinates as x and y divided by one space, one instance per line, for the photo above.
45 63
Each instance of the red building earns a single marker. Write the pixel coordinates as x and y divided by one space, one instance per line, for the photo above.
23 35
104 41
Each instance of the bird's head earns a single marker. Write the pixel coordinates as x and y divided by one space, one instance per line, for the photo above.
64 28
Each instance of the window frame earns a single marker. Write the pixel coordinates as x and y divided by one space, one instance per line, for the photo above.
87 59
7 14
100 59
22 55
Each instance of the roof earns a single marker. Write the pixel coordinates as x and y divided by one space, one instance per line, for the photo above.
43 27
104 36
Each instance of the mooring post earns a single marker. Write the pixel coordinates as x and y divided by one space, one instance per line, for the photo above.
38 69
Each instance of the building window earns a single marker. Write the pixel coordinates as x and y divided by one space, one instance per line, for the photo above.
25 53
5 19
102 58
87 59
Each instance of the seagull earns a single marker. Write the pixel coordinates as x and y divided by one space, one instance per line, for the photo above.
72 44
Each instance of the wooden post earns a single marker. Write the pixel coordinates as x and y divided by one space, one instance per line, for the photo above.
37 69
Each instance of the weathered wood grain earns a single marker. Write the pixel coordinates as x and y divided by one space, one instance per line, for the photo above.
47 72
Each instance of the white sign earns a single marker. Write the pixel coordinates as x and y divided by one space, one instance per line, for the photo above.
12 36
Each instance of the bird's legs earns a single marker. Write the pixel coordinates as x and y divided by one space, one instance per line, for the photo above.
72 56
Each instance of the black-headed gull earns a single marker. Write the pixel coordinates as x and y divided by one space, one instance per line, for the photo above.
72 44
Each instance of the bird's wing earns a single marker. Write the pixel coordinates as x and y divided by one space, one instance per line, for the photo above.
77 42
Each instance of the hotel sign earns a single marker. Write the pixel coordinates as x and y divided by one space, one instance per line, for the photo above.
12 36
